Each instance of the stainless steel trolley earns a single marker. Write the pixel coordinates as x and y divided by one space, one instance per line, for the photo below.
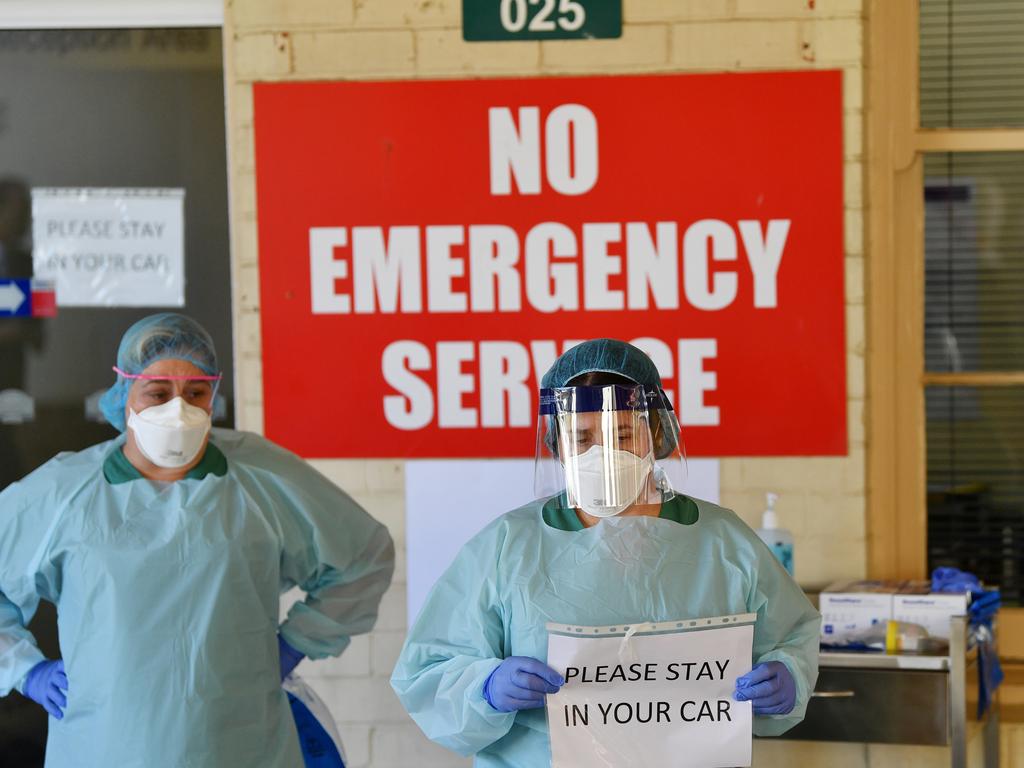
903 699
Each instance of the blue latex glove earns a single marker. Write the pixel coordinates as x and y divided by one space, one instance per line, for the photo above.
954 580
985 606
770 687
46 685
290 658
520 682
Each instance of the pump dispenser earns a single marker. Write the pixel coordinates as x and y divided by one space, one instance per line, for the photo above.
779 540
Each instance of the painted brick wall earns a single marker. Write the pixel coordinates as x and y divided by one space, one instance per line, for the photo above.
822 500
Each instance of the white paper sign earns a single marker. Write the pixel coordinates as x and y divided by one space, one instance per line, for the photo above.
111 247
651 694
448 501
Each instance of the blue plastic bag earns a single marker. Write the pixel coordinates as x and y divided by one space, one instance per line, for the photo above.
984 607
318 736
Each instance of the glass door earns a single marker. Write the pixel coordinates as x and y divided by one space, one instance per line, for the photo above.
94 118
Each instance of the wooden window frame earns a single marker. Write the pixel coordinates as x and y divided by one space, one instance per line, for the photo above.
897 453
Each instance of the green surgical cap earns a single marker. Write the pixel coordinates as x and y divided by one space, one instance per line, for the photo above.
158 337
604 356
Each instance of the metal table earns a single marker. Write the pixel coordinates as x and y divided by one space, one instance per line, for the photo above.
902 699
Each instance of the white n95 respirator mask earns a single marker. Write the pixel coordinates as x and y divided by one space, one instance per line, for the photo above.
604 482
171 434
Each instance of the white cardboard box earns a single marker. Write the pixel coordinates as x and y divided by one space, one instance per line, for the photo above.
932 612
844 612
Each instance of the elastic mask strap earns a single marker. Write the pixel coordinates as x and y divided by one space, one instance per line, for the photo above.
144 377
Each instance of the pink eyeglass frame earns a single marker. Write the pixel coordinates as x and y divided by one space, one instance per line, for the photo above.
144 377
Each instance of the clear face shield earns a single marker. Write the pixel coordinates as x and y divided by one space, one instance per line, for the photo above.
606 448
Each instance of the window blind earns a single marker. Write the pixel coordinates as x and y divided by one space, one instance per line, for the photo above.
972 63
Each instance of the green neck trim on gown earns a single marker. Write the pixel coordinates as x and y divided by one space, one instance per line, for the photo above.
117 469
679 509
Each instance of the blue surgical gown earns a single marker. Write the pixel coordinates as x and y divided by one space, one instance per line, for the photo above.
520 573
167 598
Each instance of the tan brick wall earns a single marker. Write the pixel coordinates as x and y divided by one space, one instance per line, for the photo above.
822 499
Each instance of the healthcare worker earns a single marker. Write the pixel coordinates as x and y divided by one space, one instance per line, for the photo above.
165 551
608 542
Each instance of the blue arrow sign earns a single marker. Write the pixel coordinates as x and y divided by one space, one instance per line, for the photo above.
15 298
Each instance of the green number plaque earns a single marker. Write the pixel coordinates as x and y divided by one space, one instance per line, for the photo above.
540 19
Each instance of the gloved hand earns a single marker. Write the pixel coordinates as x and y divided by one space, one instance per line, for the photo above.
520 682
770 687
46 684
290 658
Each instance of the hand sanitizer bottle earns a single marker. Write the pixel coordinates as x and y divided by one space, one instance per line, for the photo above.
779 540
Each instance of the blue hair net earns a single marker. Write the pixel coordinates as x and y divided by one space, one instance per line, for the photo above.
604 356
622 359
158 337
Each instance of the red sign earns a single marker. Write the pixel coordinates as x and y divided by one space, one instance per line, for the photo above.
428 248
